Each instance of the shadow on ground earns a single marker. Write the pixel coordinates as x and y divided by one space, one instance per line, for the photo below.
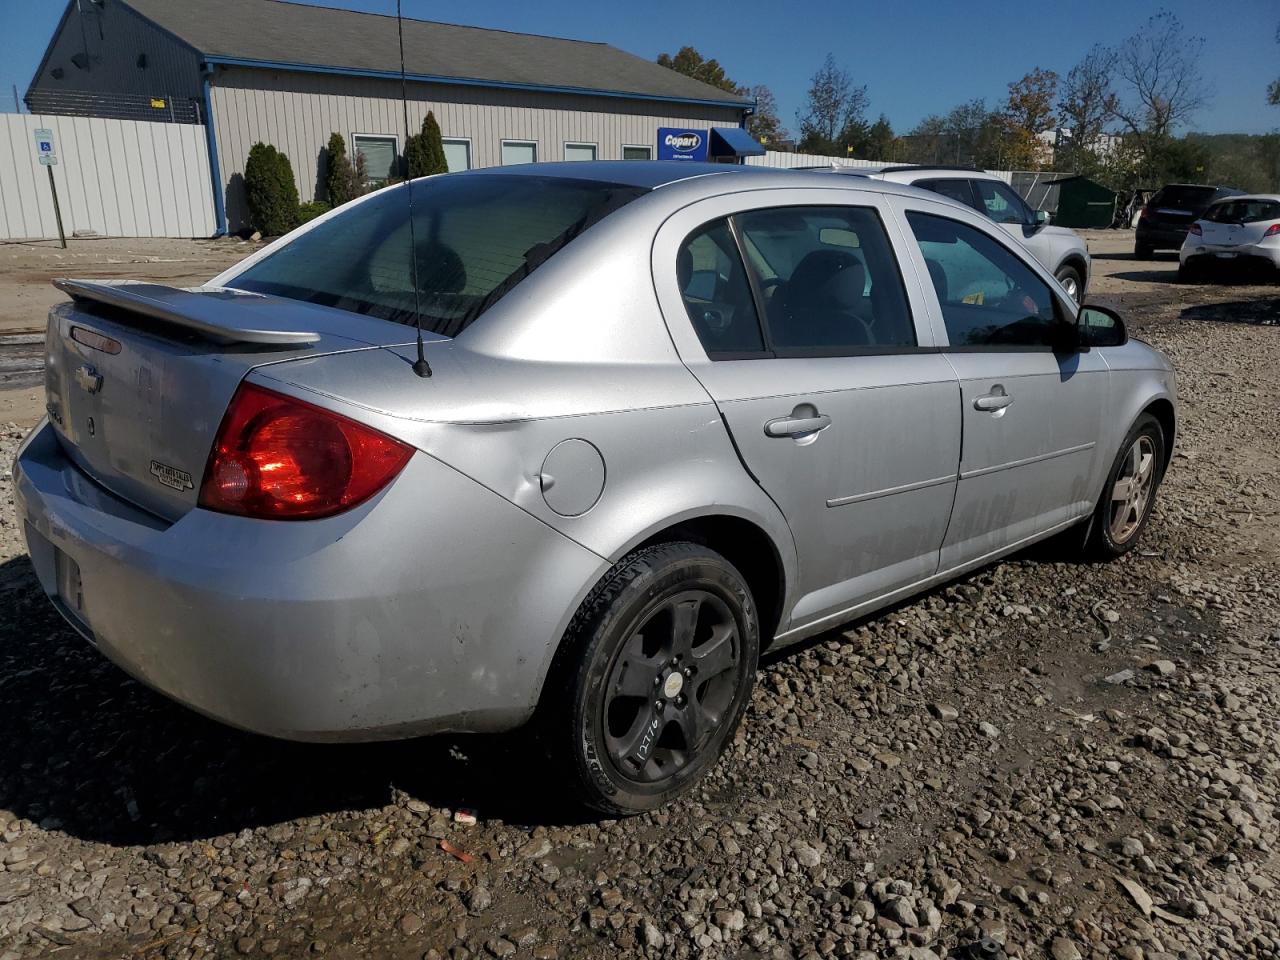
91 752
1264 312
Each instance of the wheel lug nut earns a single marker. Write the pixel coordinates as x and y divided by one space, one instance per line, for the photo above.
688 671
659 705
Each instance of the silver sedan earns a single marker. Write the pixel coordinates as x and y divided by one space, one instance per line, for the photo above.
573 444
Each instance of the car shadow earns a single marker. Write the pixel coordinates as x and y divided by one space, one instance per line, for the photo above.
93 753
1149 276
1263 312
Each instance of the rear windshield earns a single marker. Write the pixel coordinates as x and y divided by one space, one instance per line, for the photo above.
1186 198
1243 211
476 237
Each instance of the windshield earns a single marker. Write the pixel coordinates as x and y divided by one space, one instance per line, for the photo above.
1243 211
476 237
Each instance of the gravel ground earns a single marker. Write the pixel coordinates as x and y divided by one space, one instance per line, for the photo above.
1071 761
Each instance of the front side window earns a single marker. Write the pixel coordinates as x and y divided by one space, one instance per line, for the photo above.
476 238
379 156
827 278
518 151
716 292
1000 203
988 295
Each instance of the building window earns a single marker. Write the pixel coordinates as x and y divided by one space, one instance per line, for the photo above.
518 151
636 152
380 155
579 151
457 153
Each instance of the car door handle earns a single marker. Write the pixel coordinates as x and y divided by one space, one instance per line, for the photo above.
997 400
795 426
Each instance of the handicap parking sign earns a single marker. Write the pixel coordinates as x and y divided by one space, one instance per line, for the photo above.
45 147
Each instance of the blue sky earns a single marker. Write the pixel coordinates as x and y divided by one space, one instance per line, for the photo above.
916 56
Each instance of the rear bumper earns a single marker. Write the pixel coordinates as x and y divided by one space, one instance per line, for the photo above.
435 606
1161 236
1241 256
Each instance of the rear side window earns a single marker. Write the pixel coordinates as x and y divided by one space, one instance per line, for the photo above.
999 202
475 237
1243 211
827 278
989 297
955 189
717 294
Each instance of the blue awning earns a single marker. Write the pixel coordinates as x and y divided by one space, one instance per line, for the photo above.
733 142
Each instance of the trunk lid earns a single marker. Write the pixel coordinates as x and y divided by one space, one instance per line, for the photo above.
138 376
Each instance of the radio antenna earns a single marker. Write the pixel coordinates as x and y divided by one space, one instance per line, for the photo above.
420 365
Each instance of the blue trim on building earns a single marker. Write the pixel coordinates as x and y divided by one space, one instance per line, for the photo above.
470 82
215 172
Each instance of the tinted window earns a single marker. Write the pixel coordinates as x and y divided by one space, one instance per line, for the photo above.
716 292
1183 198
988 295
999 202
827 277
955 189
476 237
1243 211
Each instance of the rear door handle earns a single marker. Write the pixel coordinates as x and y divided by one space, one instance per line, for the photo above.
796 426
997 399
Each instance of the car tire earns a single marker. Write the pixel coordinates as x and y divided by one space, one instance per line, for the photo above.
1143 251
1070 278
1188 273
1124 508
632 713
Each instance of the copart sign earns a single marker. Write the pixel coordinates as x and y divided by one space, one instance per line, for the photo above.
677 144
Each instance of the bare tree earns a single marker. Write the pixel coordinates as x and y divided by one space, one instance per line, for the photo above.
834 104
765 124
1160 66
1273 91
1087 104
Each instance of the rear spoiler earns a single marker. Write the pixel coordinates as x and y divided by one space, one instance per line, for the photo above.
221 315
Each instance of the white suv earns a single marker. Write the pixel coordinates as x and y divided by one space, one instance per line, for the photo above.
1058 248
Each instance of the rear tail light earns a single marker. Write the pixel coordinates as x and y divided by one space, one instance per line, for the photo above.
1273 230
1195 230
278 458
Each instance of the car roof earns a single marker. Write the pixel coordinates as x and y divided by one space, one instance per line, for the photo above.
1273 197
656 174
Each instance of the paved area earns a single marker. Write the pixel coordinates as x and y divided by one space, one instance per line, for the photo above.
1067 760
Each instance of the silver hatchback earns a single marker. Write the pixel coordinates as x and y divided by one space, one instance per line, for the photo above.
662 416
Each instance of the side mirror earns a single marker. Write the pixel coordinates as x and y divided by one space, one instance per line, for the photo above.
1100 327
1041 218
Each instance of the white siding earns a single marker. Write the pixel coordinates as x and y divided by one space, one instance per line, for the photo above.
115 178
296 112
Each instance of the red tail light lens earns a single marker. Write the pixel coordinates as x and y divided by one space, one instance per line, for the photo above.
1273 230
1196 231
278 458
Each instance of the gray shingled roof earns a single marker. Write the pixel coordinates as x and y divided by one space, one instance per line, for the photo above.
298 33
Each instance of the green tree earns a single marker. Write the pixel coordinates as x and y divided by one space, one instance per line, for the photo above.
343 180
270 190
692 64
424 151
1027 113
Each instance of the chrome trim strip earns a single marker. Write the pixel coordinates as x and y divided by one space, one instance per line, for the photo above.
890 491
982 472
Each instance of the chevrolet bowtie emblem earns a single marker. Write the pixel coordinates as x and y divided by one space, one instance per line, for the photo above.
89 379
